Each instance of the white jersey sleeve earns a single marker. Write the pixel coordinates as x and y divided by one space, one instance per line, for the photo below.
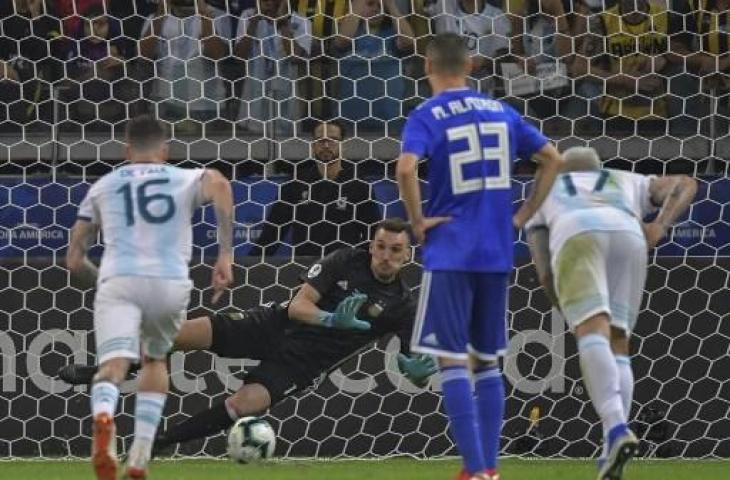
88 211
636 192
192 189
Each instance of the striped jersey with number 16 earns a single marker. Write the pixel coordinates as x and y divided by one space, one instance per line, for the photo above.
145 212
471 142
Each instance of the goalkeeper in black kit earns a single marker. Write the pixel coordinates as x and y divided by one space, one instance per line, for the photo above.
349 299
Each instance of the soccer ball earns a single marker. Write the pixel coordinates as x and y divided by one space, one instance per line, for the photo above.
251 439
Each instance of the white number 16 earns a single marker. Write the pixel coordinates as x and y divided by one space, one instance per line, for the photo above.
475 153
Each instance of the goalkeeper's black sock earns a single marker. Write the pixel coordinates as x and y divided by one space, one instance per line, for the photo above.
200 425
77 374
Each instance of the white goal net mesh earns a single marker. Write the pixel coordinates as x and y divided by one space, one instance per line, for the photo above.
243 86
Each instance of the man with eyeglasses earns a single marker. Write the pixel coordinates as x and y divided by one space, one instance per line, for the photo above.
324 207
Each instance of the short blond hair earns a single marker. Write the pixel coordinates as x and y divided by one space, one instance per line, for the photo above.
581 159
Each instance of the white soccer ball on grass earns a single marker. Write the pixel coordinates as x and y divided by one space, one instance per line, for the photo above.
251 439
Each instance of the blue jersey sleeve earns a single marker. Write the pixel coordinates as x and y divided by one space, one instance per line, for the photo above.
416 138
529 138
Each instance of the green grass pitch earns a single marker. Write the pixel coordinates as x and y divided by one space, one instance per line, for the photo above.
393 469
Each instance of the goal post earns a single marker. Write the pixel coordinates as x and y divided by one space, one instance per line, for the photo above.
62 125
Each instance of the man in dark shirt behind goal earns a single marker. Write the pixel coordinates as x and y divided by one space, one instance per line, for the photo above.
349 299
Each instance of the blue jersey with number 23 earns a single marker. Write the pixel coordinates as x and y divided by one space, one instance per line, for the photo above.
471 142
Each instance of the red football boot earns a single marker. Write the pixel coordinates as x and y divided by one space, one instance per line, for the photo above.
104 447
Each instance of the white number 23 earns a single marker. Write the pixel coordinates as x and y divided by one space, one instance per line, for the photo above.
475 153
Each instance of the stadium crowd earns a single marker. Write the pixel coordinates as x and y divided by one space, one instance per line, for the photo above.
361 60
276 69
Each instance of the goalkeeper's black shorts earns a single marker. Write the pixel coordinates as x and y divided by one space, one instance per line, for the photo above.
255 333
293 358
288 365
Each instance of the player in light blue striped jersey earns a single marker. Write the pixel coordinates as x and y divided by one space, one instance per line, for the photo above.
589 244
144 210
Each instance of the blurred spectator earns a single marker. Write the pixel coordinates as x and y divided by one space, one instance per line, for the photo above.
227 14
372 39
541 32
634 88
701 57
588 90
485 26
73 12
700 43
323 15
542 46
30 59
97 61
232 70
98 54
143 8
10 92
275 42
132 15
32 35
185 49
324 207
582 10
705 35
70 11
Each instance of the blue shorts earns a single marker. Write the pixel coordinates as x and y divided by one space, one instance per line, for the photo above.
461 313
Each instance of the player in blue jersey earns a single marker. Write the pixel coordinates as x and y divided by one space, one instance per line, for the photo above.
144 210
471 142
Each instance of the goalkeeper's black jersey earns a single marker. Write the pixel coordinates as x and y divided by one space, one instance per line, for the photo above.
390 308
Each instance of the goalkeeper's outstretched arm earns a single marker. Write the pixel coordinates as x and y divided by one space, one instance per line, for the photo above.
303 308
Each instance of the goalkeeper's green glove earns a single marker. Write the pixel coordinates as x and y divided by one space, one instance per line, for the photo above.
417 368
345 315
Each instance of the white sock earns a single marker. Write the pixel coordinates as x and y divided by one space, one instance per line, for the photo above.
600 374
147 413
104 397
626 382
626 388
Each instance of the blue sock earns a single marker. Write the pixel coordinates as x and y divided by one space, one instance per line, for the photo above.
460 408
616 432
489 388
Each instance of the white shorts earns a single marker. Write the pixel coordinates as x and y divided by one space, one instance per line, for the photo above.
133 310
601 272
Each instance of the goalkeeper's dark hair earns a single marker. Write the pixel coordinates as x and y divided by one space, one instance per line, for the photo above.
448 53
394 225
145 133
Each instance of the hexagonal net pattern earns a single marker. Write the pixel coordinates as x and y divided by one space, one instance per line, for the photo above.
244 88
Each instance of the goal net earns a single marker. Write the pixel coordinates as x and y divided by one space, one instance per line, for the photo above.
243 91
